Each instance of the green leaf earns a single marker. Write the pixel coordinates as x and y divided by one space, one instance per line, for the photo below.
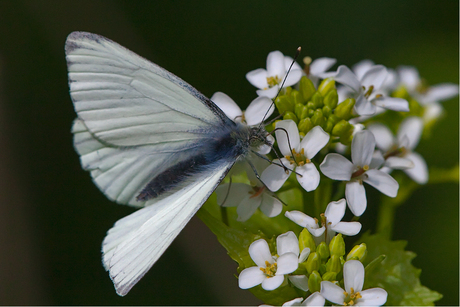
395 273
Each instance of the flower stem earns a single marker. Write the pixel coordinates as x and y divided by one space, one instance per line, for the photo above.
224 215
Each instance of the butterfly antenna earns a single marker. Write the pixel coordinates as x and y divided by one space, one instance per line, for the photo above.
282 84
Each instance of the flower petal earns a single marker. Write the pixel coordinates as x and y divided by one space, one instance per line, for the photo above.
383 136
346 77
269 92
271 283
294 302
392 103
231 195
300 281
260 252
335 211
356 197
226 104
440 92
372 297
247 207
287 135
287 263
308 176
382 182
361 68
270 206
293 77
347 228
287 243
374 76
274 175
320 65
337 167
399 163
314 141
275 64
332 292
364 107
258 78
316 299
409 77
362 148
257 110
411 127
419 173
251 277
304 254
353 275
301 219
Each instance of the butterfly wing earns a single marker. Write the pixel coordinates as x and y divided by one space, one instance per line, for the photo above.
135 119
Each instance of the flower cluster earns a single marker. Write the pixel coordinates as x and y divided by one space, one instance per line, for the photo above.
334 132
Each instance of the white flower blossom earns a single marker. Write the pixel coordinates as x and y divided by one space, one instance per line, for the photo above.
353 277
299 159
398 152
330 223
367 90
317 69
269 80
362 169
269 271
314 299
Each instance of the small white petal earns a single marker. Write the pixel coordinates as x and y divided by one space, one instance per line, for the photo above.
440 92
285 129
294 302
247 207
269 92
372 297
399 163
377 159
353 275
392 103
226 104
287 263
260 252
347 228
275 64
314 141
374 76
288 61
321 65
287 243
364 107
271 283
250 277
332 292
274 175
308 176
231 195
412 128
270 206
346 77
301 219
258 78
432 112
337 167
356 197
315 231
383 136
316 299
257 110
409 77
293 77
362 67
382 182
419 173
264 148
362 148
335 211
304 254
300 281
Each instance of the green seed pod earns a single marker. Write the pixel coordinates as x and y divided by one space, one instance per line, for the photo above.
337 245
305 125
323 251
313 262
290 115
317 100
331 99
358 252
314 282
306 87
333 264
306 240
344 109
326 86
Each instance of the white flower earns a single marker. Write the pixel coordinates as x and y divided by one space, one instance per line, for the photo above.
269 81
353 277
299 159
399 152
330 224
314 299
258 110
316 69
389 84
362 169
269 271
367 90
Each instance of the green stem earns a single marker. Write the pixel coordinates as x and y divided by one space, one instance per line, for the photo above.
385 219
224 215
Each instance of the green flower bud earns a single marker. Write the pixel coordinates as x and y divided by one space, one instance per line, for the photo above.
322 269
323 251
296 97
310 105
331 99
326 86
334 119
330 276
283 104
317 100
305 125
328 127
306 240
313 262
342 127
326 111
337 245
306 87
318 119
301 111
347 137
344 110
290 115
314 282
358 252
334 264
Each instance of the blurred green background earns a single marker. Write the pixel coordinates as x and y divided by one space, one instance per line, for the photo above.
52 217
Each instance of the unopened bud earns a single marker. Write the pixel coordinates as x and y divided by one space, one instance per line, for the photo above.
323 250
358 252
306 87
317 100
313 262
306 240
334 264
330 276
290 115
318 119
331 99
326 86
337 245
342 127
283 104
305 125
296 97
301 111
345 109
314 282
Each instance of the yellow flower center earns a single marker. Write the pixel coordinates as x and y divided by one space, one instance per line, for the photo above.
298 158
270 269
272 81
369 91
350 298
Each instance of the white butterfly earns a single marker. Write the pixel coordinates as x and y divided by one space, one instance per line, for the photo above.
149 140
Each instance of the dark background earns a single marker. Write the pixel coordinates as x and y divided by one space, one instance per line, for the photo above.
52 217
